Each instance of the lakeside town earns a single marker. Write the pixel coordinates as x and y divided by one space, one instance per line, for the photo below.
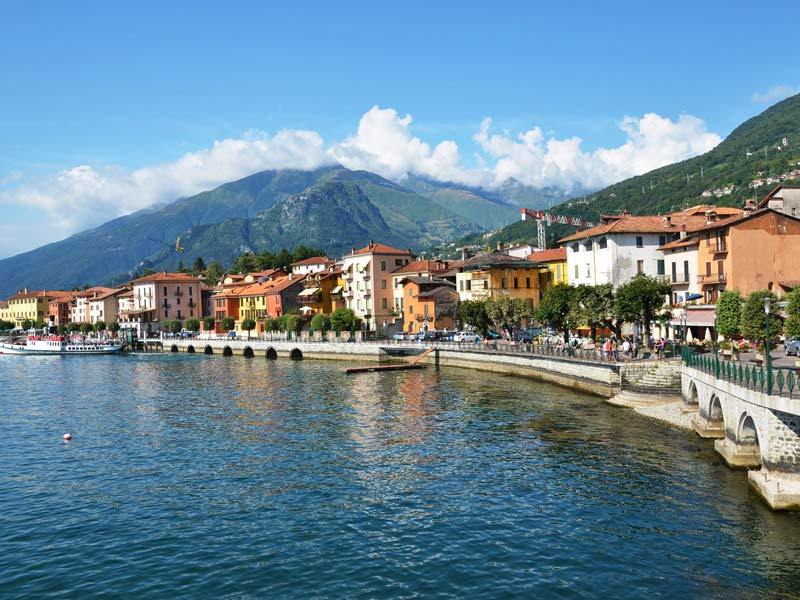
630 280
634 280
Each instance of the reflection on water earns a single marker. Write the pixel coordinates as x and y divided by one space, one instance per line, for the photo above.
214 477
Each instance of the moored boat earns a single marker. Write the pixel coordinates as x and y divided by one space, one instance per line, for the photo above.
59 344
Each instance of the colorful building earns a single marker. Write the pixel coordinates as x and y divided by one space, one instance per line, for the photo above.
497 274
160 297
425 268
31 305
368 282
322 291
315 264
429 304
554 261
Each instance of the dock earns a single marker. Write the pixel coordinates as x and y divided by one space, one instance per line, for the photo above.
376 368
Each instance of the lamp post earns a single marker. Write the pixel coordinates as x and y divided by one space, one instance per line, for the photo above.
767 356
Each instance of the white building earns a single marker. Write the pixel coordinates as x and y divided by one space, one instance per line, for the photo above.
104 307
521 251
315 264
624 246
681 260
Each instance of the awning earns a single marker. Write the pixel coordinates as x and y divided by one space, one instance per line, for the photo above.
308 292
336 290
306 309
696 318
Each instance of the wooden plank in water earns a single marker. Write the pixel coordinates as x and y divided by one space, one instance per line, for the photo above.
376 368
419 358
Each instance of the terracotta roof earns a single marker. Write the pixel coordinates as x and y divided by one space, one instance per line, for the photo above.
375 248
498 260
314 260
3 304
167 278
690 240
38 294
264 273
112 292
549 255
671 223
273 286
423 266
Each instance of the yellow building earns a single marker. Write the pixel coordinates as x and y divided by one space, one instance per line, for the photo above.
30 305
322 292
496 275
554 263
5 313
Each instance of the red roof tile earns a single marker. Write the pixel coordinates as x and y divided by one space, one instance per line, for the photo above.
549 255
375 248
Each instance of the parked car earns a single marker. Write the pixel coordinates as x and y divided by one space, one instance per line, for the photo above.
492 335
427 336
466 337
400 336
447 336
527 335
792 347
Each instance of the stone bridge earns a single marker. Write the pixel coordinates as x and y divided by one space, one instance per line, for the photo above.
754 418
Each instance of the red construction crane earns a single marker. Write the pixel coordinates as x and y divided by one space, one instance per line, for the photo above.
544 218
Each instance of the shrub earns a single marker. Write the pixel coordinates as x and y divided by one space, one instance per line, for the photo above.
227 323
208 323
193 325
754 320
729 313
321 323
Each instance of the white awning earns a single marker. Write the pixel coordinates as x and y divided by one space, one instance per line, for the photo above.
308 292
306 309
336 290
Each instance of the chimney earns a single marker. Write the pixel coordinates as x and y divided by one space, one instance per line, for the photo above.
626 212
668 221
501 247
749 207
353 250
711 216
464 253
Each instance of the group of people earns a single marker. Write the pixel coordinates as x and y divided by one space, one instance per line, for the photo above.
611 347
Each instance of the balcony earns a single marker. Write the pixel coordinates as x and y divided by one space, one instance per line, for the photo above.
178 293
680 279
166 305
712 278
191 304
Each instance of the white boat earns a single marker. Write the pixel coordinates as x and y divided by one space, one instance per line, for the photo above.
58 344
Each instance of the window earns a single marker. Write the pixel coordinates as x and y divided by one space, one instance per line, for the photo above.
588 270
165 290
639 242
708 269
662 239
409 291
576 272
602 243
503 282
178 300
190 290
383 265
469 285
461 286
528 282
686 271
575 247
640 266
383 284
516 283
674 273
384 303
660 267
485 284
398 262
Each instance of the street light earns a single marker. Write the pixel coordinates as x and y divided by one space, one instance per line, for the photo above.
767 357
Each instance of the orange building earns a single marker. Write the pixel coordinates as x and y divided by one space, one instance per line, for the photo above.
429 304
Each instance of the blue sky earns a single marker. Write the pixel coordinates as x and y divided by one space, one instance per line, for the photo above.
119 88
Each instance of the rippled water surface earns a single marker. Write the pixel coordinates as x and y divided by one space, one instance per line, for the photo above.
211 477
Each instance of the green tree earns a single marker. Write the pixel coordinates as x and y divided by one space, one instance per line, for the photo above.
729 313
291 322
175 326
100 326
248 325
74 327
213 273
473 313
507 313
87 327
199 266
556 308
320 322
193 325
641 300
245 263
26 324
40 324
181 267
208 323
593 306
792 323
114 328
754 320
62 329
227 324
344 319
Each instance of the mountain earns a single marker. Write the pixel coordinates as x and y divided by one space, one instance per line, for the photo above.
754 150
114 250
332 214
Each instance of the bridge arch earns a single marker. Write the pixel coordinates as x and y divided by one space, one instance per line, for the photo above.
226 351
173 348
271 354
747 435
248 352
296 354
190 349
716 417
692 398
208 349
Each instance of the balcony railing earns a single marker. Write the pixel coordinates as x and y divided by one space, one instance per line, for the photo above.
712 278
680 279
166 305
178 293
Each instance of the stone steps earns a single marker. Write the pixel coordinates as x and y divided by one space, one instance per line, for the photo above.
633 399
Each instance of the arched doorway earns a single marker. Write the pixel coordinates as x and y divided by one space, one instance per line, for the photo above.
190 349
271 354
248 352
208 350
296 354
226 351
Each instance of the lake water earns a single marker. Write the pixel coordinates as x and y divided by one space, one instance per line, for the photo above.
209 477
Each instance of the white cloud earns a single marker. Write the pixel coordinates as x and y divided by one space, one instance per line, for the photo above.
85 195
775 94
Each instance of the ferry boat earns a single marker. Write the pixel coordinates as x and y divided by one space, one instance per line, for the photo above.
59 344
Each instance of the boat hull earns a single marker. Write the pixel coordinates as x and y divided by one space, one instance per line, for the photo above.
21 349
